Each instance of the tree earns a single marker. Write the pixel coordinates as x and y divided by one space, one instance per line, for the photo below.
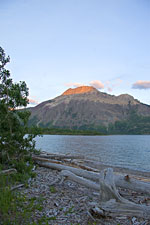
15 145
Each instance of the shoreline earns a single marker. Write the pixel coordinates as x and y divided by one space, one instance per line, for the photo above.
100 166
66 202
123 170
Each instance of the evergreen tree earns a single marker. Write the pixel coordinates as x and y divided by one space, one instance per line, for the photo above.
15 145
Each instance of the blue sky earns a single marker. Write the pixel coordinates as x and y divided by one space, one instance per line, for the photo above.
58 44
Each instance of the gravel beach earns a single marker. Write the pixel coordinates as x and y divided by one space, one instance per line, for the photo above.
66 202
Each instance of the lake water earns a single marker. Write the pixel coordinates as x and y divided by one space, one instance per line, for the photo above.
128 151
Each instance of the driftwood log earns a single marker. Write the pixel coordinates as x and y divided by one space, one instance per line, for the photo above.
110 201
9 171
60 157
112 204
68 161
80 180
16 187
120 180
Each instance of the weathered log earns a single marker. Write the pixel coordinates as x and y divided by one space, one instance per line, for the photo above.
80 180
62 163
114 209
16 187
35 158
60 157
108 188
120 180
77 171
112 204
84 167
100 166
9 171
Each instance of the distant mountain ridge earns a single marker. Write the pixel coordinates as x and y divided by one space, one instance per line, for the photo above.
84 107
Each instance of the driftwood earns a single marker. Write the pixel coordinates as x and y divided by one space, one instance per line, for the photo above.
79 165
59 167
120 180
80 180
110 201
112 204
60 157
16 187
9 171
36 158
73 163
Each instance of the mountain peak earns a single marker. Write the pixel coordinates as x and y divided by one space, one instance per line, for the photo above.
79 90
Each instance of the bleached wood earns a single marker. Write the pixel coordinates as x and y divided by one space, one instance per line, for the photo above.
84 167
80 180
108 188
114 209
59 157
112 204
120 181
16 187
72 163
35 158
9 171
77 171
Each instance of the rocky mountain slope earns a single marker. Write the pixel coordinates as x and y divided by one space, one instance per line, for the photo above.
84 107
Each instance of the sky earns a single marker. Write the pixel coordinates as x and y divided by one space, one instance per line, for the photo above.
59 44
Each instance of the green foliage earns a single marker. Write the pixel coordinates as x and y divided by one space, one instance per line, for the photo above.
70 210
135 124
15 147
52 189
16 208
65 131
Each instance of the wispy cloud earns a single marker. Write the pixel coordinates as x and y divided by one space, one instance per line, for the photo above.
111 84
73 84
109 89
140 84
33 101
97 84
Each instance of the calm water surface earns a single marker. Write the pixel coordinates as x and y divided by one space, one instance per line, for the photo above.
128 151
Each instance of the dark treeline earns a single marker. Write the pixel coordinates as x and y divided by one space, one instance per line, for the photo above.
135 124
63 131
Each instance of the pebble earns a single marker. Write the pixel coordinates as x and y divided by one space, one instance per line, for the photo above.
70 202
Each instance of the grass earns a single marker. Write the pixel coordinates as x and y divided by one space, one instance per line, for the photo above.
15 207
52 189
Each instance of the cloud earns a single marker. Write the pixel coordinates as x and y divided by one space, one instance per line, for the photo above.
109 89
74 84
140 84
97 84
111 84
33 102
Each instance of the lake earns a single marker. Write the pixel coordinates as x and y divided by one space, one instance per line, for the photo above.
128 151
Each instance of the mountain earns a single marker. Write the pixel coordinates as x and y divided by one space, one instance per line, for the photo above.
86 107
